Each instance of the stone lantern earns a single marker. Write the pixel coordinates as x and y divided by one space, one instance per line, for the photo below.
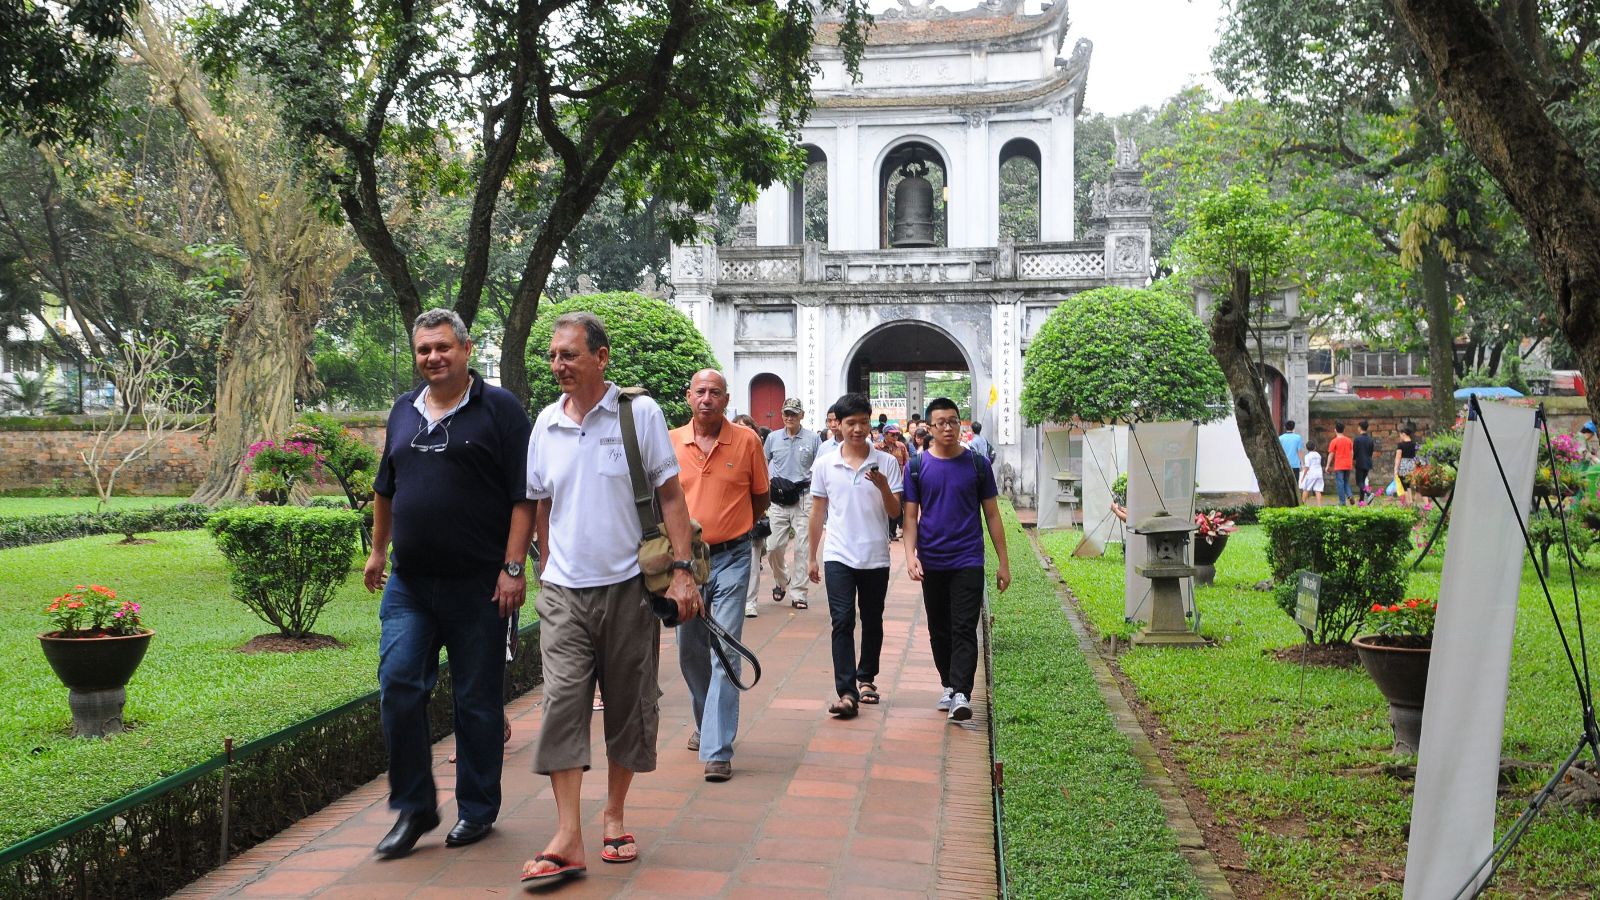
1167 542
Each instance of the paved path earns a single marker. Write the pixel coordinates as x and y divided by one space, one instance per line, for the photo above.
895 803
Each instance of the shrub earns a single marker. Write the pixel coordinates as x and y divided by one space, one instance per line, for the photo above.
1360 552
1120 354
287 560
20 531
652 345
1546 531
1443 449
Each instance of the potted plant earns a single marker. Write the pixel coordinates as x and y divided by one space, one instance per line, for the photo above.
1396 658
1433 479
1211 538
97 643
272 469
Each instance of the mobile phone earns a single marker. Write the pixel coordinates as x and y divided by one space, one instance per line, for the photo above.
871 467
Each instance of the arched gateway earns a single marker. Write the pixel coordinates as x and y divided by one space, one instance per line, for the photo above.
953 111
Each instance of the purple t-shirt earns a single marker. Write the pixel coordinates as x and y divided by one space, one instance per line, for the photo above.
950 497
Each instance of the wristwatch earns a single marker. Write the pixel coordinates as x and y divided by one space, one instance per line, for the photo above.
514 569
684 564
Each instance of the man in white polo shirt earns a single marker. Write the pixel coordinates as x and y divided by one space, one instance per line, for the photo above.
595 618
855 491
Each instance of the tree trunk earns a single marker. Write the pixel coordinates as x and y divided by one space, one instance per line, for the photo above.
1229 327
1441 340
255 382
1503 122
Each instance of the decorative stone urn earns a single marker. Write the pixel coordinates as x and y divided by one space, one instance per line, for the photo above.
1401 674
96 671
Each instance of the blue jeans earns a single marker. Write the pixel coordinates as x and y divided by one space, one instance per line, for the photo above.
1344 482
716 700
420 614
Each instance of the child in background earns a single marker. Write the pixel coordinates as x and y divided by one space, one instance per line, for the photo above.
1311 475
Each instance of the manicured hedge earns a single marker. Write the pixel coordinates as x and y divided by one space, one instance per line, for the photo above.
287 560
1360 552
21 531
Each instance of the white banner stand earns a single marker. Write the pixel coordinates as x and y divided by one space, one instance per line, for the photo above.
1102 463
1458 764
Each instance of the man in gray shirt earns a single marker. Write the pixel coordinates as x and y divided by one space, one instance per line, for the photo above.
790 454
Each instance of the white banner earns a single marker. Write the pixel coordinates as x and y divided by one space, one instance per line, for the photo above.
1102 462
1055 456
1161 462
1458 765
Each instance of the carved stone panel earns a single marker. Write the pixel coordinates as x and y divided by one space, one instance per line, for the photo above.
1128 255
765 325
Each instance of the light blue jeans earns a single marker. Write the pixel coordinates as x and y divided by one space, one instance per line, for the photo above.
716 700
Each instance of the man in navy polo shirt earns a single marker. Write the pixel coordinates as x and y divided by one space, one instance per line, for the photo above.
945 489
451 498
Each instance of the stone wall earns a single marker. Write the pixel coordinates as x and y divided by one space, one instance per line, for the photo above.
43 455
1385 417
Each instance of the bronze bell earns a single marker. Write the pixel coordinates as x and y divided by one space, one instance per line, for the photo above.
913 210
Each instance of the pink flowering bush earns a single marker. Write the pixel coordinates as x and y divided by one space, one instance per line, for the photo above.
93 611
1211 525
1568 449
271 467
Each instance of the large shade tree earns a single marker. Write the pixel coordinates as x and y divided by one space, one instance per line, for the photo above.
676 100
1520 91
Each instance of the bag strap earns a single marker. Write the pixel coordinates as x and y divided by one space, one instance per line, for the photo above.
721 643
643 497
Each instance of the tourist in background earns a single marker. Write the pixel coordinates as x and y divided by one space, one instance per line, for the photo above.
1405 462
856 491
758 534
1294 447
980 444
895 446
790 455
1362 450
1341 460
950 494
724 477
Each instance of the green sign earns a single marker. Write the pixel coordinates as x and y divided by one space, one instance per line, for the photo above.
1308 597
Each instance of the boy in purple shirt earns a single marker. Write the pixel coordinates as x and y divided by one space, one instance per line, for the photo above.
944 490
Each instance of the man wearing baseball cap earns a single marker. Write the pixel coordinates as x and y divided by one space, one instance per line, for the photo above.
790 453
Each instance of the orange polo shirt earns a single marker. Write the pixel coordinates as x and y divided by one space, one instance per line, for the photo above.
719 486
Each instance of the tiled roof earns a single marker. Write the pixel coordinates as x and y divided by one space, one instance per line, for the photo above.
891 30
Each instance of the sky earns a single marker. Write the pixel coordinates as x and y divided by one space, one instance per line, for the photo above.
1144 50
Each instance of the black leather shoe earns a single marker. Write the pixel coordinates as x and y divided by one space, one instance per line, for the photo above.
467 833
403 836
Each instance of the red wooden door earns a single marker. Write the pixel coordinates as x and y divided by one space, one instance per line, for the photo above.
766 400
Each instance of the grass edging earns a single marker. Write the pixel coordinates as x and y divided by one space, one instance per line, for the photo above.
274 781
1076 821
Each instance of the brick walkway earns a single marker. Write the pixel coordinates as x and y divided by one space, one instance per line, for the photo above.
895 803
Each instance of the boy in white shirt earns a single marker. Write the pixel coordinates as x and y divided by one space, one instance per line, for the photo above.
855 491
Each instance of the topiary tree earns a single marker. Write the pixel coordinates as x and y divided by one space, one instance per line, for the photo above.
652 345
1360 552
1121 355
287 560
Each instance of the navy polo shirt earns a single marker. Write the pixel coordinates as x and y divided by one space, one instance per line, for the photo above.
452 508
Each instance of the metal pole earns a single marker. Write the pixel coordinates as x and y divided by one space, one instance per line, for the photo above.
227 772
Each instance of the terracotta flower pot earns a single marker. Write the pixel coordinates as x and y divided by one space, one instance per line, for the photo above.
1401 674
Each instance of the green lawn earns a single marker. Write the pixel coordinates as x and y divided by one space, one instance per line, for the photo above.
1078 821
11 507
1303 783
192 690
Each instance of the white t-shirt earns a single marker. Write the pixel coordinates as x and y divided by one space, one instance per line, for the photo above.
582 468
858 527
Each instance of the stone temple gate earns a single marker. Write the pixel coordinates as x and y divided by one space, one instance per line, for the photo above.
838 275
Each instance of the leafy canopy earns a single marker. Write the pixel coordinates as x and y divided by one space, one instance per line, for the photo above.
1121 354
652 345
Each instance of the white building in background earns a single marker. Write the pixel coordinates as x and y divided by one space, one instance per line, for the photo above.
959 95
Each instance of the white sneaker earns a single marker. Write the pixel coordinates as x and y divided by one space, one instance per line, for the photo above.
750 611
960 709
944 700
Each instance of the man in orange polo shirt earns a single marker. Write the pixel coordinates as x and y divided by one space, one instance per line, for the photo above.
724 474
1341 460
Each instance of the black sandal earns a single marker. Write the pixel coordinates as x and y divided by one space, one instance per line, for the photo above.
778 593
844 708
869 692
799 603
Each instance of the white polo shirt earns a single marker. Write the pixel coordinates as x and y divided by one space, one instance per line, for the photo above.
858 528
582 469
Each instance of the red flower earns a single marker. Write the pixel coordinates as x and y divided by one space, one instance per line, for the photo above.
1411 603
1377 607
1394 608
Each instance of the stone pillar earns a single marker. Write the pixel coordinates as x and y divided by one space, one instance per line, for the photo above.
916 393
1056 212
1128 219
